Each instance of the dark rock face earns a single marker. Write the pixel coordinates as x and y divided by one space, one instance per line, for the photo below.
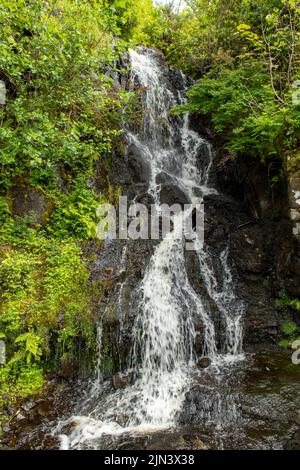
266 400
176 441
31 201
69 368
129 170
249 250
263 390
294 443
253 213
116 300
163 178
171 194
137 165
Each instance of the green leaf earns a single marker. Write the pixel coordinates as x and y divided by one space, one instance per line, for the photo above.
284 343
288 327
243 26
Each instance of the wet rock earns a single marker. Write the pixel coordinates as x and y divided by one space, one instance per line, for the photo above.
119 380
9 410
164 178
28 405
69 426
289 269
32 430
220 213
262 320
6 428
294 443
296 419
248 248
294 201
169 441
216 235
146 199
171 194
176 78
174 441
203 362
110 317
137 165
122 419
69 368
201 125
20 417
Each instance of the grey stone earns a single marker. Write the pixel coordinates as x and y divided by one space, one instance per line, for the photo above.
203 362
119 380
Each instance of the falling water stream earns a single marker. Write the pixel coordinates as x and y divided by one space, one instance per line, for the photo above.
163 361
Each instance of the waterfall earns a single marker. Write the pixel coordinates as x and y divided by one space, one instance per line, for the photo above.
162 358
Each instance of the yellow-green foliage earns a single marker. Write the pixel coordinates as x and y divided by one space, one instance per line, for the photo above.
28 381
44 305
61 115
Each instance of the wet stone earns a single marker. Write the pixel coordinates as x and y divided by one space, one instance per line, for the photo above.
20 417
203 362
119 380
28 406
5 428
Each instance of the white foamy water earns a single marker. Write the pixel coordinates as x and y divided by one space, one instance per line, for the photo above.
162 356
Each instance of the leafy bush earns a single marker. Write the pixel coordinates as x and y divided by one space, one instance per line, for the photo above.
44 302
62 114
289 328
244 55
58 107
241 105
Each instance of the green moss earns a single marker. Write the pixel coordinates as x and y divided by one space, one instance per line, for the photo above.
107 362
133 113
45 303
289 328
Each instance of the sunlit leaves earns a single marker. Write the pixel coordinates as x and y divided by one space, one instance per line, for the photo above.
288 327
50 61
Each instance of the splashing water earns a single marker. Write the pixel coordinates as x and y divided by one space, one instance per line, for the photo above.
164 334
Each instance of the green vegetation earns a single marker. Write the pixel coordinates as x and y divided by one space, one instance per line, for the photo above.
61 116
289 328
245 56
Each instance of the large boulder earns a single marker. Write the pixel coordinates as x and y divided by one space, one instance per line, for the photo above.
138 167
171 194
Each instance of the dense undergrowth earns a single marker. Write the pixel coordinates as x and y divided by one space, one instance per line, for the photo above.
60 117
245 58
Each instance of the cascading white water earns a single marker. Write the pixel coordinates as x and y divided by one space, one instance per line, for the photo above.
163 336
